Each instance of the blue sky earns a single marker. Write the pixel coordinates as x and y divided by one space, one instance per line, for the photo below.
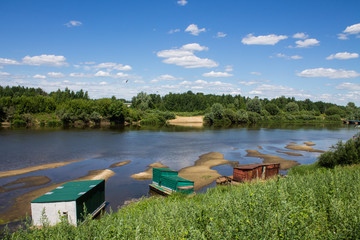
305 49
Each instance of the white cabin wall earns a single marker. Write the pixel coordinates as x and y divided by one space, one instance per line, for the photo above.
52 210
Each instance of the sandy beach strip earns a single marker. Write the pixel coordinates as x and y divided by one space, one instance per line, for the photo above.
148 173
195 121
284 163
21 171
119 164
21 206
201 172
303 148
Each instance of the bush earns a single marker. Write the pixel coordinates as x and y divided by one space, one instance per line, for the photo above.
254 117
18 123
334 110
229 114
242 116
254 105
335 117
272 109
292 107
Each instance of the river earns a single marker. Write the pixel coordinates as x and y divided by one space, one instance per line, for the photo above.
174 146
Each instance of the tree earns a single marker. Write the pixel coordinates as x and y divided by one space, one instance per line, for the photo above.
292 107
254 105
218 110
272 108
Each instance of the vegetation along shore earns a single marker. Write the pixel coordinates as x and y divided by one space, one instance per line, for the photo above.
317 201
20 106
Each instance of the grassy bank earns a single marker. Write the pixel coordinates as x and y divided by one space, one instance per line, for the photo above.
317 203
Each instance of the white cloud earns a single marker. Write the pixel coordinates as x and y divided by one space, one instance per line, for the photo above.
6 61
271 39
221 35
80 75
353 29
113 66
174 31
185 57
4 74
39 76
343 56
342 36
348 86
165 77
228 68
55 75
194 30
307 43
217 74
50 60
274 91
300 35
103 83
73 23
295 57
252 82
102 74
182 2
121 75
256 73
328 73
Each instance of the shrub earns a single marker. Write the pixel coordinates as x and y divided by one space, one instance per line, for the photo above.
335 117
272 109
292 107
229 114
242 116
254 117
254 105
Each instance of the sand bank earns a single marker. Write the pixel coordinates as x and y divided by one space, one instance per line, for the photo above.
310 143
196 121
303 148
284 163
119 164
24 182
148 173
201 173
290 153
35 168
21 206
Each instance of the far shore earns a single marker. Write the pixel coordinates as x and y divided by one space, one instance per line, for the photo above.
21 171
195 121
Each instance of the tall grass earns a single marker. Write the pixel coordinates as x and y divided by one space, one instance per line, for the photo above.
324 204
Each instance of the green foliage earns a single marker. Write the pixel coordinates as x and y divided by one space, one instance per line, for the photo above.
342 154
253 117
254 105
334 111
323 204
218 110
335 117
292 107
272 109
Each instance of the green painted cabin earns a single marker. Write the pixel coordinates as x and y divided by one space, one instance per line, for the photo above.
167 181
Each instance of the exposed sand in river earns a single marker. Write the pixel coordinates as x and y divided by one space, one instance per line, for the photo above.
21 206
119 164
25 182
35 168
201 173
148 173
303 148
290 153
310 143
196 121
284 163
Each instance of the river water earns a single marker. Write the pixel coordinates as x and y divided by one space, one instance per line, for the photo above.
176 147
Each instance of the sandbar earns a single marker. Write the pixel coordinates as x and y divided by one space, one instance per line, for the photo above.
21 206
310 143
195 121
290 153
25 182
201 172
119 164
148 173
21 171
303 148
284 163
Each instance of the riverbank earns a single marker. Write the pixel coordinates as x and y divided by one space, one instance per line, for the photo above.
310 206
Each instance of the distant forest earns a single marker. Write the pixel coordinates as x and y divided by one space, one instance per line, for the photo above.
33 106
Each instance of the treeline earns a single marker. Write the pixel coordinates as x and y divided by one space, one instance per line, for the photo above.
33 106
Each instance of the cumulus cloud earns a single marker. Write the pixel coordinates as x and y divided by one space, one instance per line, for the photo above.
343 56
50 60
182 2
4 74
328 73
221 35
80 75
185 57
342 36
6 61
217 74
253 82
307 43
165 77
228 68
73 23
102 74
194 30
256 73
300 35
271 39
113 66
174 31
353 29
55 75
348 86
39 76
274 91
295 57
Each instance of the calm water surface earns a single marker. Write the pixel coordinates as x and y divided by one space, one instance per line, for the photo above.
176 147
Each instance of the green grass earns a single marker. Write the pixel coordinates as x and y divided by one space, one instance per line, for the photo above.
321 204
